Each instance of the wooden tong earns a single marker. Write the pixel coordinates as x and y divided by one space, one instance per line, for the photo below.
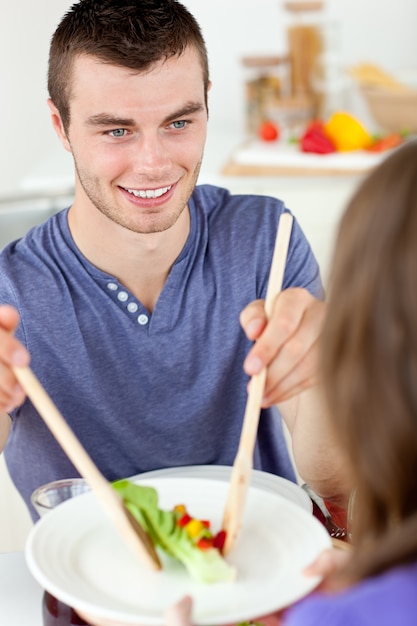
243 464
126 524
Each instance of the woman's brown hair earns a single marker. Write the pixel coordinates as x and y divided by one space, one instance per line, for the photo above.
369 359
134 34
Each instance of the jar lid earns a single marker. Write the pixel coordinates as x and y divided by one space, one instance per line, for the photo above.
264 61
299 7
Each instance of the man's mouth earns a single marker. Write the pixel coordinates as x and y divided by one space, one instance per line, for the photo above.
148 193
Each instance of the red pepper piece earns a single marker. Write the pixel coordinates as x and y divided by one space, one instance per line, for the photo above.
205 522
219 540
268 131
205 543
315 139
386 143
184 519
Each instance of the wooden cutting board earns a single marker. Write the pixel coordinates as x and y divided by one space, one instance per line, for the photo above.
257 158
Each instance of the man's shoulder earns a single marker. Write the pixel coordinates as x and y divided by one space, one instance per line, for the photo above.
30 250
215 201
51 225
214 194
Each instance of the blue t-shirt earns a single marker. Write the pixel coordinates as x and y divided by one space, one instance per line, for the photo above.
144 391
383 600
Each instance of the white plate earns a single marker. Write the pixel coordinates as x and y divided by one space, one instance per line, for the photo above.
75 554
262 480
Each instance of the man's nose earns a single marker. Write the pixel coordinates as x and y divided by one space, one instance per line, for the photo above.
150 154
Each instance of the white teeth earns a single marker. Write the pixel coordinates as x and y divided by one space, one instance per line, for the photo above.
149 193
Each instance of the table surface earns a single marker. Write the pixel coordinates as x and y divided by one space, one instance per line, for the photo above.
20 594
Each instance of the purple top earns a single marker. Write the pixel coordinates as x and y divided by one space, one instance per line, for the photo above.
386 600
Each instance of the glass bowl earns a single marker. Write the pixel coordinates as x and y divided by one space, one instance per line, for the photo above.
48 496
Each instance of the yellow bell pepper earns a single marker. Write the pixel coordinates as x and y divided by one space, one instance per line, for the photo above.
346 132
194 528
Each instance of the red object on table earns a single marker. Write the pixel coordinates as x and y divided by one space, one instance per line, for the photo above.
315 139
268 131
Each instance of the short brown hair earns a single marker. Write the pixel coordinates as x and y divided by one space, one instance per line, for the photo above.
369 357
129 33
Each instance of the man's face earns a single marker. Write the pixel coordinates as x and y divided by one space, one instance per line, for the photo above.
137 139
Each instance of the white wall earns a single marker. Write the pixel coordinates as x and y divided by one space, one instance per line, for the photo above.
384 33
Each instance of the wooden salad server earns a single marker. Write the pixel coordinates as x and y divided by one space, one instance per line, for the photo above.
243 463
123 520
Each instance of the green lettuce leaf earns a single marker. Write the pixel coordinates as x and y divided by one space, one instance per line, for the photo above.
205 566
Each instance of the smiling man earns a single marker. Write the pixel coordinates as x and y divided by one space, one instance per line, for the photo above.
137 142
128 302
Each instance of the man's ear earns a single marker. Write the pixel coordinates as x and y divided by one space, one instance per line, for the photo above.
58 125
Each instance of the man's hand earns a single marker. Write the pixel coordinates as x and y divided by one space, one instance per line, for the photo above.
286 344
11 353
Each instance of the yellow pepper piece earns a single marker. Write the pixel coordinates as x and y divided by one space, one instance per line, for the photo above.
347 133
194 528
180 508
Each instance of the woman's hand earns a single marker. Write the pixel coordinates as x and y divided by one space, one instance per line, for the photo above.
179 614
328 564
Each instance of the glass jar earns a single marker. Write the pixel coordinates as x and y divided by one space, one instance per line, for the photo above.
304 43
329 79
266 82
316 67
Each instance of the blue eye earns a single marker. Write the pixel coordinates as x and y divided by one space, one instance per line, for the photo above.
119 132
179 124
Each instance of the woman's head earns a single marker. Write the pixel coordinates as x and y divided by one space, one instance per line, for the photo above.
370 341
129 33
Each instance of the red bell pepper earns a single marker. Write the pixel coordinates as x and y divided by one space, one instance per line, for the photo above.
315 139
205 543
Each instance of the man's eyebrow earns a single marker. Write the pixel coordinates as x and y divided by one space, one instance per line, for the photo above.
188 109
105 119
108 120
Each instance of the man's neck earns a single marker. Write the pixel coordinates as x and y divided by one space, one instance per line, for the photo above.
141 262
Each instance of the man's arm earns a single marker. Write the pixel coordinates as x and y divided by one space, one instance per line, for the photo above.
318 458
288 345
5 424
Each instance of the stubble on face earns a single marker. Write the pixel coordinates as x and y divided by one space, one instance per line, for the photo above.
150 222
107 168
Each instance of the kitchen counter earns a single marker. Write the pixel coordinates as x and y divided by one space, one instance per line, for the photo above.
260 158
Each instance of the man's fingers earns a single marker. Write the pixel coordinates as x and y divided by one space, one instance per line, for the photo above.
281 386
11 353
253 319
11 394
9 317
